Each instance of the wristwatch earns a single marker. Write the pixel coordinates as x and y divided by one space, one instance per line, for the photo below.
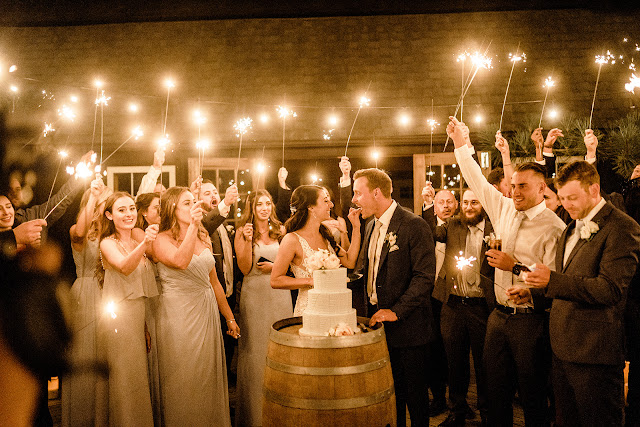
518 268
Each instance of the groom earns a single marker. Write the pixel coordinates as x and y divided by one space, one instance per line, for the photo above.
596 257
398 262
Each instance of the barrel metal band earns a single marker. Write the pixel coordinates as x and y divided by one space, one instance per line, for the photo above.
295 340
328 404
337 370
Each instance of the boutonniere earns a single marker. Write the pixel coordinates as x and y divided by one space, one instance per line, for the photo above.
588 230
390 238
230 229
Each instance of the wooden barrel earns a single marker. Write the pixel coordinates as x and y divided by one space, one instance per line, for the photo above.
327 381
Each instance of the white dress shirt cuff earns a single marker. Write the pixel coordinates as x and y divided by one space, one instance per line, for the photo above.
223 209
345 182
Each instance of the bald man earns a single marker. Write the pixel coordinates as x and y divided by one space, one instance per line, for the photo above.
437 208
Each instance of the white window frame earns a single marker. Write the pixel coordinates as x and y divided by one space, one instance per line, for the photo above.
111 170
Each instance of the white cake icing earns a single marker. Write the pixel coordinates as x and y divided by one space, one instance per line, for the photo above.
329 303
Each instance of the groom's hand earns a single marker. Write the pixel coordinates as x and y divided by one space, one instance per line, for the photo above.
383 315
539 277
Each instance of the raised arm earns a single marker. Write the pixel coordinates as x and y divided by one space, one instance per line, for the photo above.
179 257
126 264
289 247
148 183
490 198
503 147
243 243
80 229
350 257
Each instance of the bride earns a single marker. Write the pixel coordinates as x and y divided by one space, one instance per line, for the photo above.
306 233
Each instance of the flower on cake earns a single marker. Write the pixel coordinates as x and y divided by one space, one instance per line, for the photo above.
391 239
341 330
322 260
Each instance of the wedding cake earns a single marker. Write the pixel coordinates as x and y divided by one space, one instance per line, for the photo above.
329 309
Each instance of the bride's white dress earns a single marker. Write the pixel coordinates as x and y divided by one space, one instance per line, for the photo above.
191 363
303 271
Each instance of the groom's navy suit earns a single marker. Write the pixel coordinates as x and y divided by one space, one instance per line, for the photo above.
404 283
586 323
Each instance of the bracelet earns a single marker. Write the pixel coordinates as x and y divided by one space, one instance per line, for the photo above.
231 320
508 164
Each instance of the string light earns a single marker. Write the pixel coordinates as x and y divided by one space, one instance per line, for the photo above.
73 98
14 89
264 118
133 108
333 120
404 119
13 68
478 118
66 113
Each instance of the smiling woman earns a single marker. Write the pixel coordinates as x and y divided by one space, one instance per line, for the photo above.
127 281
7 214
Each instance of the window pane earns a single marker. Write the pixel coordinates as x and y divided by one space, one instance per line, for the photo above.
436 176
451 177
122 182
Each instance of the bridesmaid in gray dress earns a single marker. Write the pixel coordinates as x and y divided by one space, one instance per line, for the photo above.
128 280
193 375
256 245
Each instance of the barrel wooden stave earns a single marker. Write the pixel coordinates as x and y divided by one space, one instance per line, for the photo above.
299 382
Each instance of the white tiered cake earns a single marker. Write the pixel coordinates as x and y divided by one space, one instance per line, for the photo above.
329 304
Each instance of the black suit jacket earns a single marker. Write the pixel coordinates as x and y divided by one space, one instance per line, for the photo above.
405 278
211 221
429 215
590 291
454 234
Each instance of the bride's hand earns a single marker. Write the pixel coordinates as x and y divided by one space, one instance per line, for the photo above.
354 217
233 329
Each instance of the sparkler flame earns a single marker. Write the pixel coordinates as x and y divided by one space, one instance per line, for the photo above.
327 136
67 113
111 309
548 82
14 89
285 112
164 141
608 58
71 170
518 57
462 262
137 132
199 118
103 100
481 61
48 128
432 124
634 82
63 154
364 101
242 126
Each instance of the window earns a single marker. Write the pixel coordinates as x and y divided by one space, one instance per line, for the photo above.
128 178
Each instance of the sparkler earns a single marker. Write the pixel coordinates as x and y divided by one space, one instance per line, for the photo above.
110 308
462 262
170 85
600 60
48 128
514 59
201 145
63 155
548 83
98 85
461 58
363 102
14 91
102 101
284 113
432 125
634 82
241 127
66 113
136 134
478 61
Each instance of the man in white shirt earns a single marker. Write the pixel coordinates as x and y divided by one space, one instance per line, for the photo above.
516 339
597 257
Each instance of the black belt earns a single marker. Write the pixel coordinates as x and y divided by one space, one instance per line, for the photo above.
514 310
456 299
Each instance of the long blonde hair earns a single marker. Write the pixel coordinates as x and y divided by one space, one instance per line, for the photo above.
168 221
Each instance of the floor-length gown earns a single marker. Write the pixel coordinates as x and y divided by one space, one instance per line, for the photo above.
125 297
260 307
193 374
81 400
303 271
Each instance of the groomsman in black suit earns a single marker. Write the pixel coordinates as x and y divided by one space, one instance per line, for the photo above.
596 258
398 263
222 247
468 298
